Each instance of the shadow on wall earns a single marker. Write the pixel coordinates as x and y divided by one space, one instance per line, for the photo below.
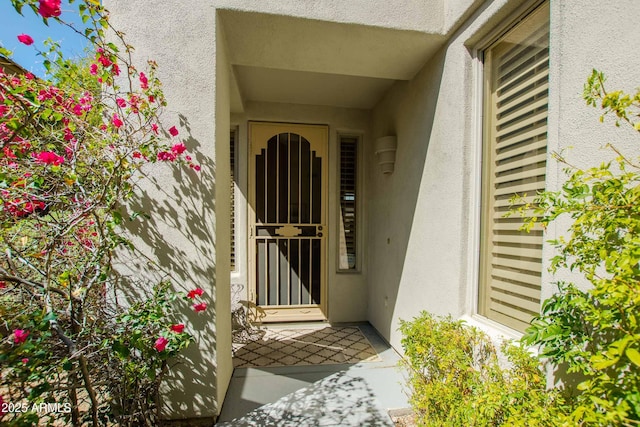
408 111
178 245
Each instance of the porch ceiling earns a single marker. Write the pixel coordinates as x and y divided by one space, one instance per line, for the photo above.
293 60
299 87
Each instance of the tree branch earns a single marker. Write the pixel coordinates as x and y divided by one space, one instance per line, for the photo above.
6 276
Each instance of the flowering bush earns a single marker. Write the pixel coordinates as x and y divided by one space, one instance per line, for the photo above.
71 146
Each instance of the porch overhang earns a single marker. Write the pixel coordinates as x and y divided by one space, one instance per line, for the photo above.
293 60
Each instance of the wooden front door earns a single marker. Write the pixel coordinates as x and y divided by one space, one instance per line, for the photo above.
288 220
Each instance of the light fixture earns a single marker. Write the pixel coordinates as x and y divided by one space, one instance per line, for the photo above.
385 149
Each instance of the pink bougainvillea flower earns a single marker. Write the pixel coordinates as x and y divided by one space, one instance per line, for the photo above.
115 70
179 148
116 121
44 95
177 328
49 8
173 131
137 155
78 110
29 76
195 168
93 69
25 360
161 344
105 61
154 128
144 82
87 98
152 98
25 39
165 156
197 292
3 110
68 135
49 158
21 208
3 285
20 336
200 307
121 102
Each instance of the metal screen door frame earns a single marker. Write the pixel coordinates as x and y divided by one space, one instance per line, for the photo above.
285 251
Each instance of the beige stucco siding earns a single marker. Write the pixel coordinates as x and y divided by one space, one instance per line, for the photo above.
424 219
188 233
420 225
412 15
587 35
423 213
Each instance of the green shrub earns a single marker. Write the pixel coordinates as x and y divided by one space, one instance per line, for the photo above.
595 333
456 378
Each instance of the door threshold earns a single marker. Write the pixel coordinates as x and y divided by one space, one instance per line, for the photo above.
301 324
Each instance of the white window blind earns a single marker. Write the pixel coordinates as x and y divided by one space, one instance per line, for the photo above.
348 202
514 162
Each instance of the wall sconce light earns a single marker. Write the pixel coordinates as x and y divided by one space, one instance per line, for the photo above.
385 149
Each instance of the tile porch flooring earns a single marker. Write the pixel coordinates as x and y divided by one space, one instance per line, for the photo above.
341 394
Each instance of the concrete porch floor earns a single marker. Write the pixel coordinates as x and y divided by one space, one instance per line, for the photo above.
358 394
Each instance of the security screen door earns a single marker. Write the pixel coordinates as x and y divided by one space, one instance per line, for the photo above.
288 228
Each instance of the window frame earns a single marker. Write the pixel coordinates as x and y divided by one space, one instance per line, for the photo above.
484 148
358 202
233 214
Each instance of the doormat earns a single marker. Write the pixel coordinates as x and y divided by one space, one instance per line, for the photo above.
297 347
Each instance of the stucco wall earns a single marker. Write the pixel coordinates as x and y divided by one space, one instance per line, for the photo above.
421 223
424 218
415 15
419 217
188 233
587 35
416 214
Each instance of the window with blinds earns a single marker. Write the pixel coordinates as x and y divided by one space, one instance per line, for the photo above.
515 150
348 203
232 204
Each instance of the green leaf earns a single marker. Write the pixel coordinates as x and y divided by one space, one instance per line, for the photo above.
601 362
120 349
39 390
117 217
633 355
50 316
5 52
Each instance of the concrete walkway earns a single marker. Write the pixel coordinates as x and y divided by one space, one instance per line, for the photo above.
320 395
